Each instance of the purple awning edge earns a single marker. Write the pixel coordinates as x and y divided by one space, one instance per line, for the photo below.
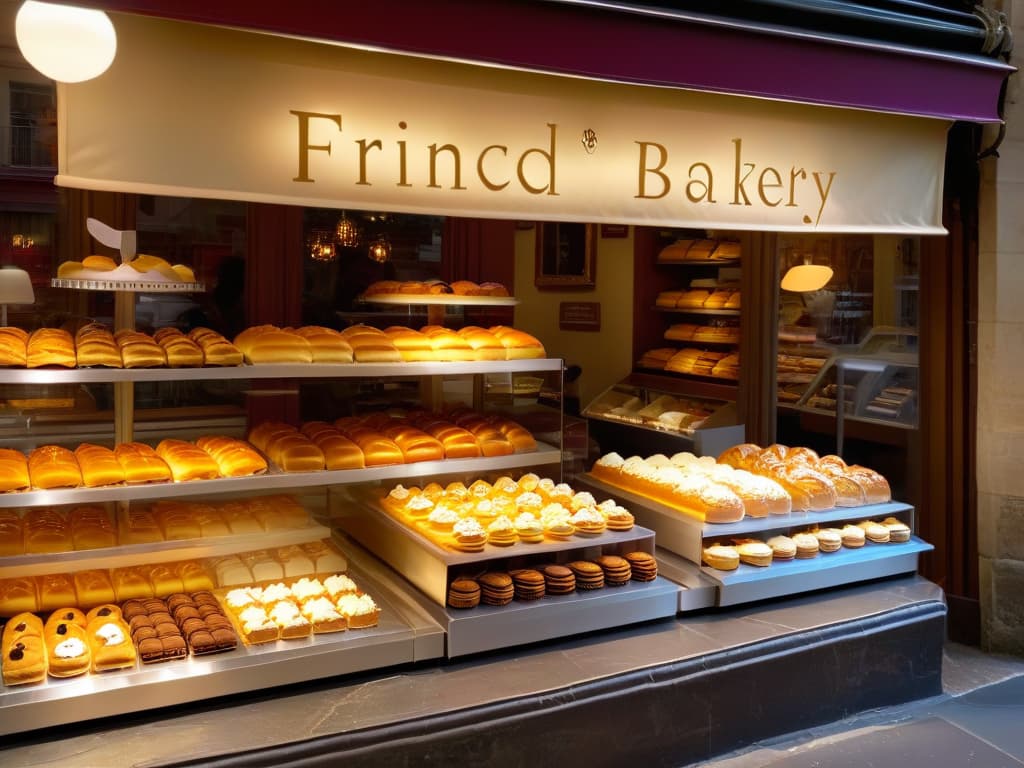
625 47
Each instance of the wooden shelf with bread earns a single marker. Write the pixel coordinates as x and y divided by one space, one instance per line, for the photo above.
524 559
437 296
764 523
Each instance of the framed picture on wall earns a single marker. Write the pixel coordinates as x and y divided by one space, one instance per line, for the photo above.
566 255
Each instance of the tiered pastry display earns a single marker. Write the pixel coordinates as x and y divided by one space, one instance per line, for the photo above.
664 412
802 544
484 515
499 588
142 268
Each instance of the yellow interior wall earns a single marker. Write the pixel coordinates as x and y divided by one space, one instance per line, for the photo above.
605 356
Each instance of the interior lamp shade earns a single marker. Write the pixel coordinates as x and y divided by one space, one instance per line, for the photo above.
15 288
64 42
806 277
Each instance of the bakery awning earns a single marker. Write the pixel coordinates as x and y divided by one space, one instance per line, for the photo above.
204 111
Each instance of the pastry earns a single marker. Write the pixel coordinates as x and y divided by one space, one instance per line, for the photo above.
853 536
24 658
643 565
110 644
68 650
325 615
783 547
898 530
589 575
528 583
359 610
874 532
721 557
754 552
617 570
558 580
806 545
502 531
496 588
829 539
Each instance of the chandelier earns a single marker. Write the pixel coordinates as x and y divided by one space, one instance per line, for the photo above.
346 232
380 250
320 245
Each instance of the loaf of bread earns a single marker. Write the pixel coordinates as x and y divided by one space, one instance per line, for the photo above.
264 432
415 444
54 590
377 449
93 588
371 345
235 458
294 452
17 595
53 466
518 344
270 344
139 350
217 350
13 347
95 346
12 539
13 470
326 344
458 443
339 452
91 528
131 583
187 461
448 345
181 351
46 531
137 524
413 346
141 464
50 346
485 345
99 465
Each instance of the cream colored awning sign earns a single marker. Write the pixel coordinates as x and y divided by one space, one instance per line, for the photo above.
192 110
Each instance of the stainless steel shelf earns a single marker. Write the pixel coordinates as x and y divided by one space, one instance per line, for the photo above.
129 286
274 371
405 634
446 299
277 480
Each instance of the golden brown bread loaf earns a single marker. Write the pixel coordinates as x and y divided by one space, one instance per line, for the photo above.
13 346
485 344
413 346
50 346
339 452
415 444
187 461
181 351
264 432
217 350
91 528
270 344
139 350
17 595
235 458
518 344
13 470
95 346
53 466
99 465
371 345
448 345
326 345
141 464
294 452
377 449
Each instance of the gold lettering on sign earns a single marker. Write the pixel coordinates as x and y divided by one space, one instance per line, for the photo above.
794 173
549 156
364 147
763 185
703 186
643 170
403 180
480 168
304 146
749 167
823 191
456 161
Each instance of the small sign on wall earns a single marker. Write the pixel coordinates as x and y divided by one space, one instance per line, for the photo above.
614 230
579 316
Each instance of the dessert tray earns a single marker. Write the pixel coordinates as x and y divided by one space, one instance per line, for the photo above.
686 537
431 568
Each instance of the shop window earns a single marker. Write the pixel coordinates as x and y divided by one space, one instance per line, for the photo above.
32 125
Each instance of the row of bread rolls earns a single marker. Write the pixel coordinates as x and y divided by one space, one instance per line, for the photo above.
140 267
48 530
435 288
815 482
97 586
697 487
696 362
356 442
700 250
530 510
723 334
94 344
90 465
699 298
802 545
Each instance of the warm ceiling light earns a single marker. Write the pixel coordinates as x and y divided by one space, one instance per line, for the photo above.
346 232
806 277
380 250
321 246
65 43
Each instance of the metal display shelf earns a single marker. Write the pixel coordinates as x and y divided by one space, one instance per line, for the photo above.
156 552
685 536
430 568
130 286
274 371
275 480
405 633
698 311
700 262
697 591
440 298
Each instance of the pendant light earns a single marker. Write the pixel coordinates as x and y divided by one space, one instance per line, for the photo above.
320 246
806 277
66 43
380 250
346 232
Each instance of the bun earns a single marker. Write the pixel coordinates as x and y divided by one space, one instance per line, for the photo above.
294 452
101 263
13 470
370 345
339 452
13 346
139 350
377 449
22 652
326 345
17 595
187 461
95 345
52 466
110 644
141 464
99 465
415 444
518 345
216 349
68 652
181 351
270 344
235 458
50 346
449 346
91 528
413 346
485 345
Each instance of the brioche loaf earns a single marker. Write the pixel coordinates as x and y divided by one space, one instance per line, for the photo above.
270 344
448 345
415 444
95 346
217 350
139 350
13 470
413 346
141 464
485 345
91 528
53 466
181 351
371 345
518 344
187 461
235 458
326 344
294 452
99 465
50 346
17 595
339 452
13 346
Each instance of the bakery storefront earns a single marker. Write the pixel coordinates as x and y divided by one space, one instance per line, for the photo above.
400 403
